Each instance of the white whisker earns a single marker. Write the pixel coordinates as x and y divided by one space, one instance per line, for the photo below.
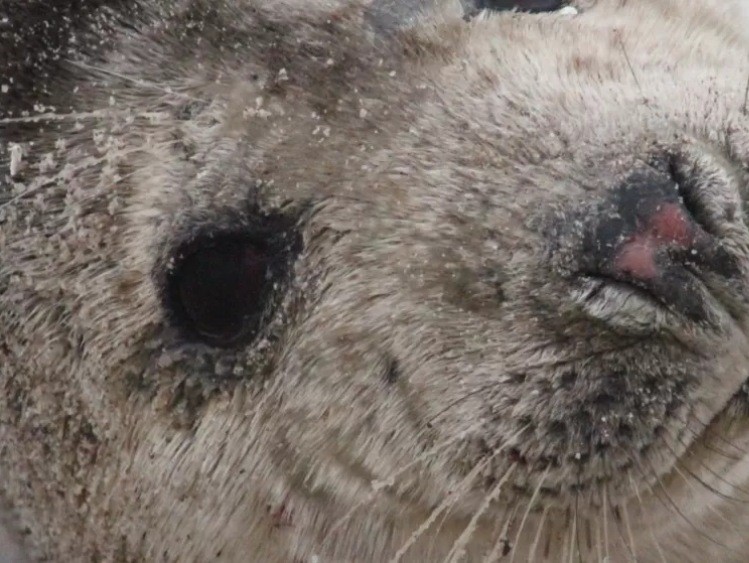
450 499
137 81
649 525
607 555
389 481
537 537
458 550
630 535
528 511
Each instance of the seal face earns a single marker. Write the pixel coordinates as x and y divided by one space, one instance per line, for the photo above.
300 281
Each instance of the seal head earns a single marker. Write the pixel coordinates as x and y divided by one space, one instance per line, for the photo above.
272 283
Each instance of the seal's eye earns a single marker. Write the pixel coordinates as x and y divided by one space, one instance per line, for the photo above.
220 288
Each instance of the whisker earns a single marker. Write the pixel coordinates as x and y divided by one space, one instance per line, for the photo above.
137 81
503 543
537 537
450 499
438 529
562 554
571 540
81 115
576 525
629 63
528 511
708 433
636 490
459 547
599 541
696 477
694 489
27 192
618 519
389 481
85 164
630 535
606 525
722 453
680 513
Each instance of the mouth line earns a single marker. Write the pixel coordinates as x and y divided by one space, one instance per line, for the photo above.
700 306
603 282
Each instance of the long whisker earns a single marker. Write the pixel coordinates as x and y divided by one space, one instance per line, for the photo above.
537 537
702 482
645 513
624 542
87 163
565 548
458 550
677 510
599 541
389 480
630 535
691 485
573 540
528 511
715 436
606 525
657 544
450 499
577 527
437 531
81 115
503 544
137 81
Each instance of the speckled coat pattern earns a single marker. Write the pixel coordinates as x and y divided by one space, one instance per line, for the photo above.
482 337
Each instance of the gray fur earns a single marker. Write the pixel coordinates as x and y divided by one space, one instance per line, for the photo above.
436 382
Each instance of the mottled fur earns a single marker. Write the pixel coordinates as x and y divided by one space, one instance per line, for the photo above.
434 383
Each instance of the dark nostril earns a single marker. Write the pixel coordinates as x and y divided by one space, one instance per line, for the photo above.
688 195
647 211
652 233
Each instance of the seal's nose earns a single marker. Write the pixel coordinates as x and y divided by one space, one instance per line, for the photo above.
648 234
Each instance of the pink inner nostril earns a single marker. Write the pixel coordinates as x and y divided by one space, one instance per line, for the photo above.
669 224
654 235
636 259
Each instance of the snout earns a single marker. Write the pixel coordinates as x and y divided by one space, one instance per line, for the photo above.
666 235
650 234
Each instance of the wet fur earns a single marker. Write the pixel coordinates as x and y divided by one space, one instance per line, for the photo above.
428 352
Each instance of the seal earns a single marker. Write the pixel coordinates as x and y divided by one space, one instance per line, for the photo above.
298 282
